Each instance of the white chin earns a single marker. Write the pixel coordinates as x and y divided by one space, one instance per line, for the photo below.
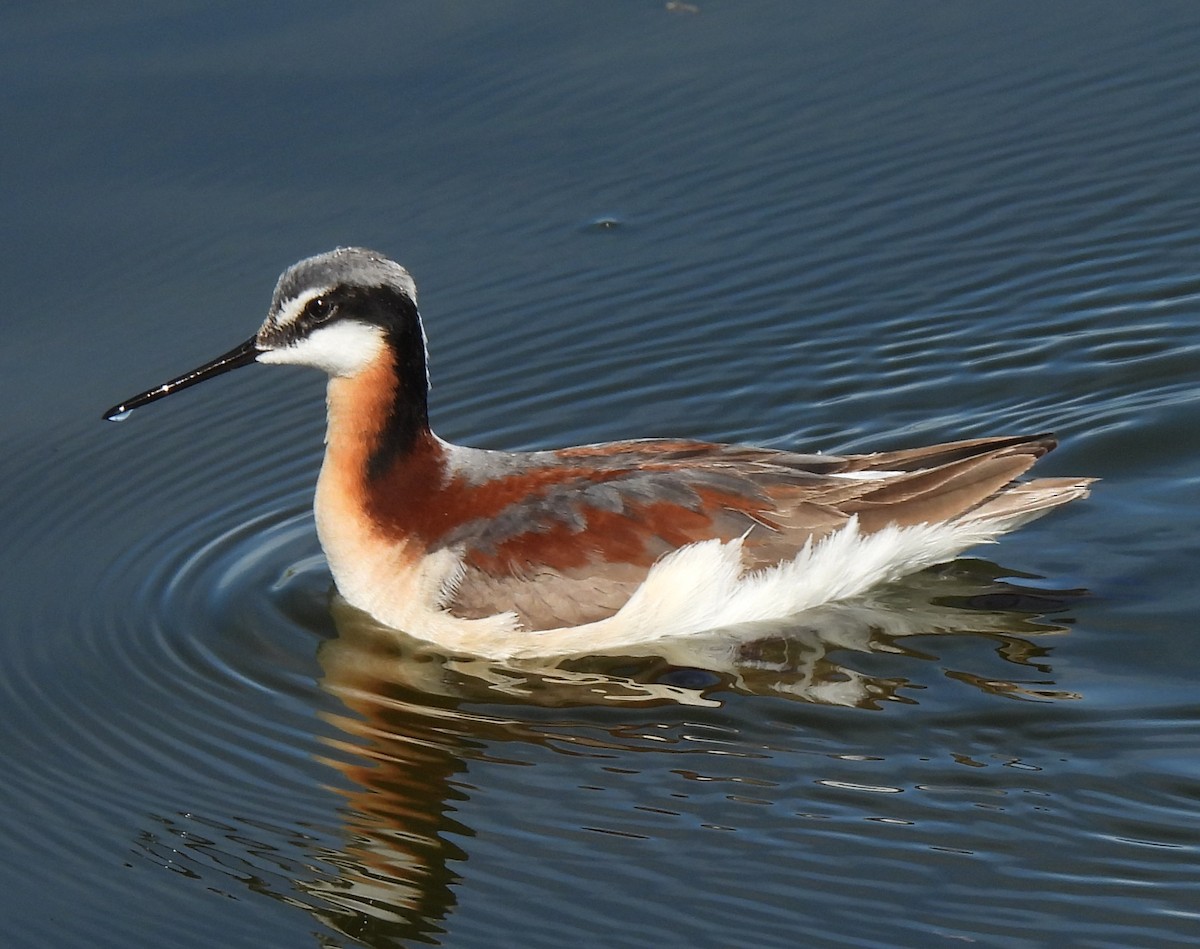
341 349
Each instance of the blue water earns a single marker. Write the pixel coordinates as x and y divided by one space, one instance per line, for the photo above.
835 227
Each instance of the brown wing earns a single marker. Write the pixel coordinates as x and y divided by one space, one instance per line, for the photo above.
584 525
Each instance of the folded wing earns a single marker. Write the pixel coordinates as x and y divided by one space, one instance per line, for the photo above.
572 546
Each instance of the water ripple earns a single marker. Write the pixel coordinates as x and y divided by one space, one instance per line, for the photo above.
906 224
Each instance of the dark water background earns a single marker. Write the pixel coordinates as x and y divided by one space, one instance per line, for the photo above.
835 226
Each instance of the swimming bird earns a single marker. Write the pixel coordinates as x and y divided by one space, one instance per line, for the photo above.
595 547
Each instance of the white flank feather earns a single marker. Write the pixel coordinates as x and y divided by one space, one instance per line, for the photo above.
705 586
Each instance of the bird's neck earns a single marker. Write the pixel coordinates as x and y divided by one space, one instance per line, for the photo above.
377 418
365 515
363 512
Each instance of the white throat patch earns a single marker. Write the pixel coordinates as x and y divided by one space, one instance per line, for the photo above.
341 348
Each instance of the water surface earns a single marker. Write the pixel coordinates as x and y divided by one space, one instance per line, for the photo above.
829 227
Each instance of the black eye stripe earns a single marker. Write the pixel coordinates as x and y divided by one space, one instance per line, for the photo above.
384 306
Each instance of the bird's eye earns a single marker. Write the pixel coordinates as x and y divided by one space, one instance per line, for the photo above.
319 309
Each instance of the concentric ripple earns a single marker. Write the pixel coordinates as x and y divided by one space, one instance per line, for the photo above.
838 227
230 685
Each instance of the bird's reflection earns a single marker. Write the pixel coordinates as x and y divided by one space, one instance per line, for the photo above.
413 714
409 719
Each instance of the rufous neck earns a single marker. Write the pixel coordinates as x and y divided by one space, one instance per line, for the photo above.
376 417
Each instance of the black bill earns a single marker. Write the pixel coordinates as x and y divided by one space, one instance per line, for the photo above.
243 355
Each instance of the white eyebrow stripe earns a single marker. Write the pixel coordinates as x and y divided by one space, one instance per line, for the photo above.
291 310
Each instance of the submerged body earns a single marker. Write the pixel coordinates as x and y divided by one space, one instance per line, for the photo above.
598 546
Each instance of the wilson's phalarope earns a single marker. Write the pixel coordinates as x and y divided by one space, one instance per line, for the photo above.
590 548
